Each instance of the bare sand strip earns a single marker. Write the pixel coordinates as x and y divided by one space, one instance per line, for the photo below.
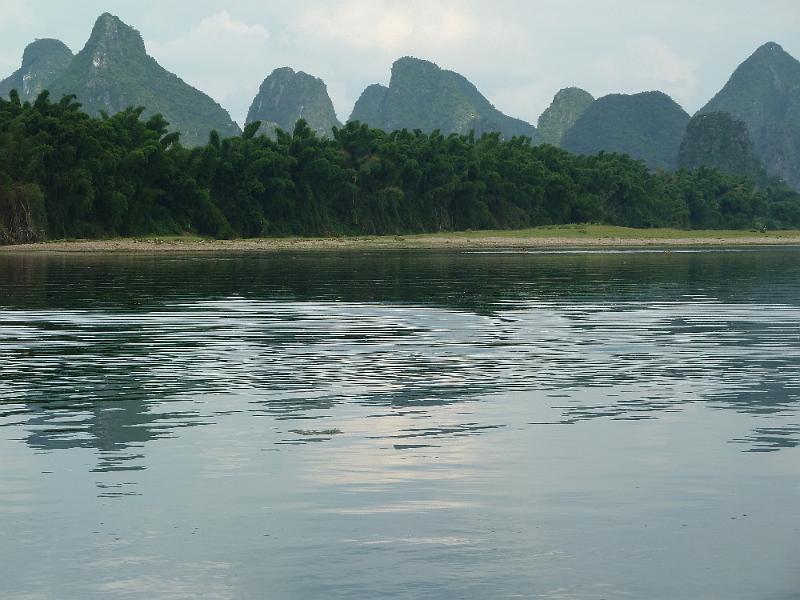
465 241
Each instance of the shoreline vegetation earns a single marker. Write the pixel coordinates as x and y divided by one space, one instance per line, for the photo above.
542 238
67 175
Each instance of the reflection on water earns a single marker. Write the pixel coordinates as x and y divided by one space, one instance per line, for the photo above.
413 424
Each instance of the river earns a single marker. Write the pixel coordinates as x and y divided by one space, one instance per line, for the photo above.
412 424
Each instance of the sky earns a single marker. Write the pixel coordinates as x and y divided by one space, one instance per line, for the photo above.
518 53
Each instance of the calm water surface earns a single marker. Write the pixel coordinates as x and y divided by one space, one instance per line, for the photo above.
583 425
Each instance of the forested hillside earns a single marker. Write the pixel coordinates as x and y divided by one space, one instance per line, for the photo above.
42 63
64 173
719 141
648 126
567 107
764 93
287 96
423 96
114 71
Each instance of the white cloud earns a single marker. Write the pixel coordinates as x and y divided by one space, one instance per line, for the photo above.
388 26
437 29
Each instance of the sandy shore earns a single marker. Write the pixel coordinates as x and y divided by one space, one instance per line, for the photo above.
465 241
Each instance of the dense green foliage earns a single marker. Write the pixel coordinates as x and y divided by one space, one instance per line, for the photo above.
423 96
99 176
114 71
568 104
287 96
126 175
42 62
648 126
719 141
764 93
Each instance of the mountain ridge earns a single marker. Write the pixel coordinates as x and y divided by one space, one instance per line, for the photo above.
648 126
422 95
764 93
113 72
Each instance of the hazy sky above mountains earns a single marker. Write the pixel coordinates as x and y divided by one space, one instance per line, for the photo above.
518 53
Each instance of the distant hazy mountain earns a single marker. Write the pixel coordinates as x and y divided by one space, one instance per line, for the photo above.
719 141
648 126
423 96
287 96
764 92
568 104
369 107
114 71
42 62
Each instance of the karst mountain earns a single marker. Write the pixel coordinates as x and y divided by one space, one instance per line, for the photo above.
287 96
423 96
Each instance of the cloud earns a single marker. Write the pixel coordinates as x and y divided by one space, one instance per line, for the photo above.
219 55
437 29
388 26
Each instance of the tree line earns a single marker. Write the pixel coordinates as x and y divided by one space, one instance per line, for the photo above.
65 174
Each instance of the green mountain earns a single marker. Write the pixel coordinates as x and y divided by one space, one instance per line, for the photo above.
287 96
114 72
568 104
764 92
423 96
718 141
42 62
647 126
369 106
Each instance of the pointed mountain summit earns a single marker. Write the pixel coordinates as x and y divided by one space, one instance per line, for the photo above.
647 126
567 106
42 62
764 93
114 72
423 96
287 96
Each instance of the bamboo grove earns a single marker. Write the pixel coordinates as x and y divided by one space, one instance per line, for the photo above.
65 174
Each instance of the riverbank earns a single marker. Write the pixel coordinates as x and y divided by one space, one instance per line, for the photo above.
568 236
